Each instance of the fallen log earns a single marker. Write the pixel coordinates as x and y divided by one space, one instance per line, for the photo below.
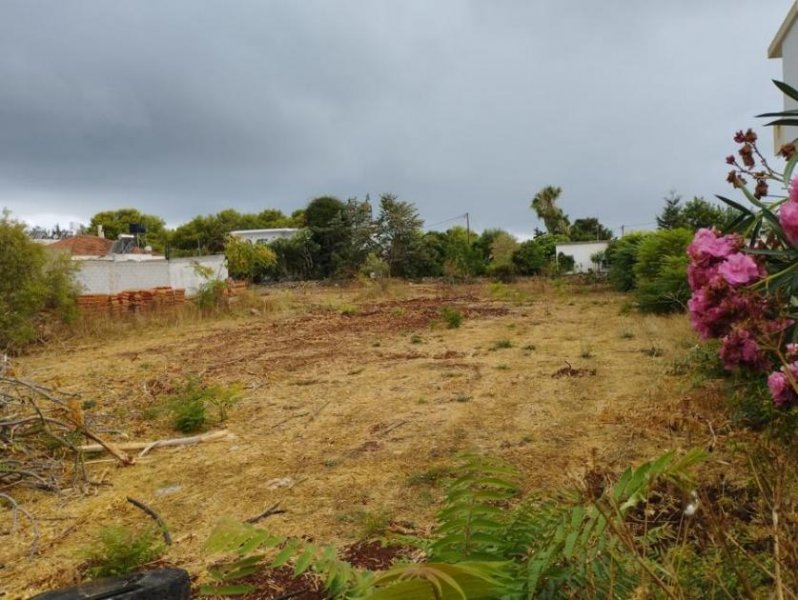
211 436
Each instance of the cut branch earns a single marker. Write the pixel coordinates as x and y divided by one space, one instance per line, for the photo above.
161 523
211 436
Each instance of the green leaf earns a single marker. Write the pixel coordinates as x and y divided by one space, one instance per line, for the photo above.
402 590
790 167
734 205
284 554
787 89
304 560
786 121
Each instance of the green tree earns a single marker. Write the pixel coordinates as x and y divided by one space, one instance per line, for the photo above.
545 206
116 222
699 213
356 224
463 256
529 258
208 234
294 256
672 215
398 233
588 229
326 221
36 287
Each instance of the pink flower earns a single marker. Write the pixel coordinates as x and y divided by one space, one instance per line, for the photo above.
739 349
707 244
794 190
780 389
739 269
788 217
699 275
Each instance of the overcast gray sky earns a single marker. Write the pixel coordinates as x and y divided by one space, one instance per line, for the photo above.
186 107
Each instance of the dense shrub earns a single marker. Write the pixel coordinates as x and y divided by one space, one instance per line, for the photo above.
529 258
661 271
245 260
622 258
36 288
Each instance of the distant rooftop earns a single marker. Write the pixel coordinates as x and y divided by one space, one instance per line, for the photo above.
84 245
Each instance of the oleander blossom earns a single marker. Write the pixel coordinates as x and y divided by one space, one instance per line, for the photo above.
788 217
740 269
707 245
740 349
781 388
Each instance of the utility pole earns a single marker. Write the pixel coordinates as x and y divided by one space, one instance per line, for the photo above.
468 230
622 228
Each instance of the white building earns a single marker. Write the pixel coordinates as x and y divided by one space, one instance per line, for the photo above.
264 236
582 253
785 47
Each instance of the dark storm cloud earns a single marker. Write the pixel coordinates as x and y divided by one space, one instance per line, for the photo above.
180 108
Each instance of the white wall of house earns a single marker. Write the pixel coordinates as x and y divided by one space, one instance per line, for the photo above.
111 277
785 47
264 236
582 251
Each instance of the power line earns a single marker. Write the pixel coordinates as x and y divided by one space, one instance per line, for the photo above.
458 217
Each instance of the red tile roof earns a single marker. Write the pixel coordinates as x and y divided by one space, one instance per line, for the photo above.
84 245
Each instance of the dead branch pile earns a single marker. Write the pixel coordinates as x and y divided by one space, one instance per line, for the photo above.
40 430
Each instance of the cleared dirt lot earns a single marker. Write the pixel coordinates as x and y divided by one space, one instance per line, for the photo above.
350 397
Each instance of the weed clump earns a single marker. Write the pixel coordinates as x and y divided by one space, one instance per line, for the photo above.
189 407
452 317
501 344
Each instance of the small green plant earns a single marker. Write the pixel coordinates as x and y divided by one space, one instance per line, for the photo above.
120 550
347 310
462 398
416 339
502 367
190 404
530 347
501 345
587 351
627 334
452 317
210 293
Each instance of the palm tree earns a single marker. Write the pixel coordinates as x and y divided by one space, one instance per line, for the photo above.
545 206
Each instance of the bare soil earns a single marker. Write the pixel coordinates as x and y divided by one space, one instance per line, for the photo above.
353 399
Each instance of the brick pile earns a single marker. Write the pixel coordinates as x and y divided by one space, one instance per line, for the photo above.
234 288
132 301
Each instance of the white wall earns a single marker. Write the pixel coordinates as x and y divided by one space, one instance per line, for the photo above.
789 66
111 277
183 275
264 236
582 251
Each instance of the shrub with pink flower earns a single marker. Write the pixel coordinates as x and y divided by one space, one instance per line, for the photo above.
723 306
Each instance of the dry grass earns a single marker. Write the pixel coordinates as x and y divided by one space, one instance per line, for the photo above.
343 407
